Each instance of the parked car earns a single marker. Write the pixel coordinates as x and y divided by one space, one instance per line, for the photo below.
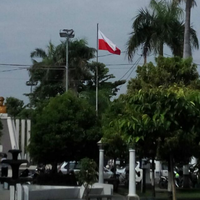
75 166
66 167
123 174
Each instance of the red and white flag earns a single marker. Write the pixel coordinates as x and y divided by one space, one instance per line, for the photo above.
106 44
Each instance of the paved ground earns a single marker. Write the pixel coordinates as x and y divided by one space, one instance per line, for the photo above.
4 194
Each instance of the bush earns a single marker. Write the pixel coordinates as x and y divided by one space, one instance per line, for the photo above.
87 174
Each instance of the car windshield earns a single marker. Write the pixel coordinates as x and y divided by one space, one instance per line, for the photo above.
73 165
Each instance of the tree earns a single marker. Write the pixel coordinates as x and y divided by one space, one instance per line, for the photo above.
166 72
49 72
65 129
79 55
187 38
14 106
154 28
106 88
87 175
156 90
115 145
103 79
162 120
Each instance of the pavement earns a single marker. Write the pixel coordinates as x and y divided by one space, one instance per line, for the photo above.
5 194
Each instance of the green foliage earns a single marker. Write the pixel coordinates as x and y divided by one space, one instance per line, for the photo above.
166 72
164 119
106 89
66 128
88 172
111 88
14 106
160 110
26 113
50 72
115 145
159 25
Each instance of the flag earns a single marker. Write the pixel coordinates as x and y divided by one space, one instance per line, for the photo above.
106 44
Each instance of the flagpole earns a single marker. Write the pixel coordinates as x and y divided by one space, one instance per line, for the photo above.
97 79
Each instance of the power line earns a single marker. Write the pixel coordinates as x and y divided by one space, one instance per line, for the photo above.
9 70
15 65
132 68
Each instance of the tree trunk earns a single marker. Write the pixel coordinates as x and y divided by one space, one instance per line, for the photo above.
114 167
186 179
161 49
187 47
172 178
169 189
144 181
145 55
54 167
153 177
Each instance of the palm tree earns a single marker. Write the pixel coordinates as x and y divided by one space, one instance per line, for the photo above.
49 70
187 53
156 27
187 45
79 54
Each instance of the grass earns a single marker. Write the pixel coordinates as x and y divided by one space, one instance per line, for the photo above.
181 193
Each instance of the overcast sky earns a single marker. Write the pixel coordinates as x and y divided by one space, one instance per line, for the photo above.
29 24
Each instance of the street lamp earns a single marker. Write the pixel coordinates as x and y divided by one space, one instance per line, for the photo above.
67 33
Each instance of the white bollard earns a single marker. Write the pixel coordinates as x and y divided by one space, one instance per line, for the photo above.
19 191
101 165
12 192
132 186
25 191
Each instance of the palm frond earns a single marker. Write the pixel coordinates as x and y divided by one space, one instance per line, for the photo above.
38 53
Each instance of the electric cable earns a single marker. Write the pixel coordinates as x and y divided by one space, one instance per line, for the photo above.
131 69
133 66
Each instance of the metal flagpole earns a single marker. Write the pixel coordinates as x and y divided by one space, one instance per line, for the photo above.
97 78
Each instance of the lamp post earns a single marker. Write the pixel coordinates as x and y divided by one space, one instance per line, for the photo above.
67 33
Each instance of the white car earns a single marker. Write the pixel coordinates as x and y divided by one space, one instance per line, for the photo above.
122 172
71 166
75 166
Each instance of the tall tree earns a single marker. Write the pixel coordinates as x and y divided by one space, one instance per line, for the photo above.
104 78
115 145
166 72
79 55
65 129
106 87
142 115
156 27
162 120
187 38
14 106
49 71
